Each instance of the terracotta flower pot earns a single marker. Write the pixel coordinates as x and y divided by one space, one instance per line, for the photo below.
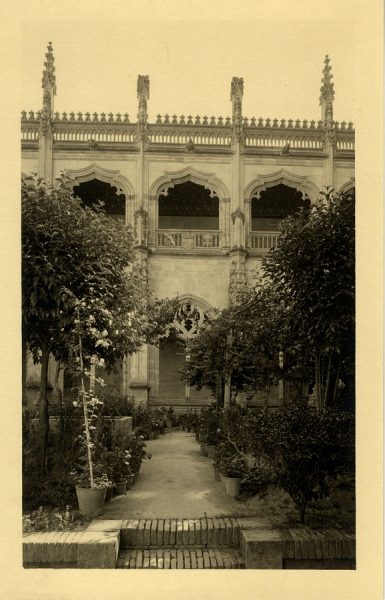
120 487
232 485
210 451
109 493
130 482
91 501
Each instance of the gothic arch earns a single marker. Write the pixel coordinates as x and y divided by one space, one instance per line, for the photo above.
94 171
299 182
197 301
111 176
172 178
347 186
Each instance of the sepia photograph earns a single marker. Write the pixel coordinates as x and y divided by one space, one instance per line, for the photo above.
188 227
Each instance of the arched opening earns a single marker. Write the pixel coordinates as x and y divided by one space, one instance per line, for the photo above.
93 191
274 204
188 206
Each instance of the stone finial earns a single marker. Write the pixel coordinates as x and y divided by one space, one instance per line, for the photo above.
236 88
327 94
143 87
48 83
49 79
236 96
327 88
143 94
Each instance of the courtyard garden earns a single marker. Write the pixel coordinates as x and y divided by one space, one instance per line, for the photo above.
87 303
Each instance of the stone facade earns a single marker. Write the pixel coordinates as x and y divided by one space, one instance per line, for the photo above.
236 160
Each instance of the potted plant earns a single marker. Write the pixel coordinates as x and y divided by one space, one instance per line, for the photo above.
232 468
119 467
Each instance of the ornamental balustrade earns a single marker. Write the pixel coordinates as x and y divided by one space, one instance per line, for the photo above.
189 132
172 238
262 241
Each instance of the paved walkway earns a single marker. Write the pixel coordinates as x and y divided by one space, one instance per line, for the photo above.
178 482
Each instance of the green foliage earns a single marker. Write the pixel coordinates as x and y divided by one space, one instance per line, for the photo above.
80 280
44 520
208 427
114 404
137 449
306 447
312 275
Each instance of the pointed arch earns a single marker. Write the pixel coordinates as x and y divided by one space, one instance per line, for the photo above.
171 178
197 301
95 171
300 183
348 186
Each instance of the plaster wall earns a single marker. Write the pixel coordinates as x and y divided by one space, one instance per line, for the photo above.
203 276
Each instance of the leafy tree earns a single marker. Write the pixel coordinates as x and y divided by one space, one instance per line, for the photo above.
312 275
239 345
72 255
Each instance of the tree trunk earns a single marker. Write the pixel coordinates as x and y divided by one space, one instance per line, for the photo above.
318 387
332 380
302 509
43 409
56 385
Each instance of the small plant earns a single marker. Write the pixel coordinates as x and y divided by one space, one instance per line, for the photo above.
232 466
44 520
118 464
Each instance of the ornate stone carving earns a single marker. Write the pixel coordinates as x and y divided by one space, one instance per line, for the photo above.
237 277
141 226
236 99
49 78
143 94
48 84
188 319
237 214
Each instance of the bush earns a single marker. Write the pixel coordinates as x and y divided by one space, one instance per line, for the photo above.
306 447
208 428
114 404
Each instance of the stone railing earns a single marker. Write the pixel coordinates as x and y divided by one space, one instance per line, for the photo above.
188 131
178 238
263 240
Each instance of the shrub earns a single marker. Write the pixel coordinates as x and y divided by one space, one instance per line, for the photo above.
306 447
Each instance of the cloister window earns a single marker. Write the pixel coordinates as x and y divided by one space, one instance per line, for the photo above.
274 204
188 206
92 191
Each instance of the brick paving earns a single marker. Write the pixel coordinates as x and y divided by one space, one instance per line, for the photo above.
180 533
173 558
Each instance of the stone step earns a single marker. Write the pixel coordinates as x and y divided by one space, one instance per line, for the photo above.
174 533
180 558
